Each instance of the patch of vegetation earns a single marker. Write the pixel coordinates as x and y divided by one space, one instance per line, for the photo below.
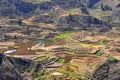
72 11
35 75
102 42
61 61
74 51
68 72
64 34
107 18
111 58
99 53
71 75
41 58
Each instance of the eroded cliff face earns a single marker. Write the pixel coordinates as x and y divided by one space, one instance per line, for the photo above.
78 22
13 68
108 71
9 7
15 7
116 13
16 68
72 14
8 71
111 6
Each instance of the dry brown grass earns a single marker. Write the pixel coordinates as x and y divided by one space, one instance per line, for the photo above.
22 48
56 42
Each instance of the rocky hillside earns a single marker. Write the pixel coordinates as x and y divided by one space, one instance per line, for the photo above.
110 3
108 70
12 68
39 17
77 22
7 70
14 6
109 10
59 39
116 13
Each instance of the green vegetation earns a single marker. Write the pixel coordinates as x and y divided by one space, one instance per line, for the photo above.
35 75
102 42
74 51
64 34
72 10
111 58
61 61
106 18
68 72
99 53
72 75
41 58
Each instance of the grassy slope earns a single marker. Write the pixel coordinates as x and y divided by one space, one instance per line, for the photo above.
64 34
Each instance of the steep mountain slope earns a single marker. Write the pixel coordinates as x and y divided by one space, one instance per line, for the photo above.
111 3
60 14
8 71
12 7
108 71
12 68
116 13
107 10
76 22
54 12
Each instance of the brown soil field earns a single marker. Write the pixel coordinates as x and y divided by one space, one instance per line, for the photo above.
56 42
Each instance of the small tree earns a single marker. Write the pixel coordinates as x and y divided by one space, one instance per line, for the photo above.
5 36
20 22
15 37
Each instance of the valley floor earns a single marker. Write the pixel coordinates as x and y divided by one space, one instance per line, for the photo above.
78 53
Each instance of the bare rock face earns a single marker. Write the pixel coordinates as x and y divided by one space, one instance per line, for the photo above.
7 70
10 7
87 3
77 22
110 70
116 13
12 68
74 22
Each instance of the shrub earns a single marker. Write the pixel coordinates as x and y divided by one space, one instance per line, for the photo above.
61 61
98 53
111 58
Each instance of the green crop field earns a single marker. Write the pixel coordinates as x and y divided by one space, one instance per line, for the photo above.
64 34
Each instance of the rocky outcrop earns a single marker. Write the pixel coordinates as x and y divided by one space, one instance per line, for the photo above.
78 22
14 68
44 19
8 71
116 14
108 71
12 7
17 7
113 6
77 3
103 3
